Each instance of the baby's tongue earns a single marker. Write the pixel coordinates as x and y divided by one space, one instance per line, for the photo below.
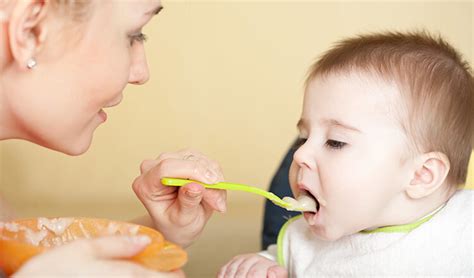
304 203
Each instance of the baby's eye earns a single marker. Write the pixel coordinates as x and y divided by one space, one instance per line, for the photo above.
140 37
333 144
298 143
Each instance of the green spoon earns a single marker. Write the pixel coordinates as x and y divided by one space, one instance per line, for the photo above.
238 187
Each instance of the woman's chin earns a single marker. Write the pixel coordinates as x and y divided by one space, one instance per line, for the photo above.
72 148
76 151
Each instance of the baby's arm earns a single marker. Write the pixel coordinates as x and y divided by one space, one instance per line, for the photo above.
253 265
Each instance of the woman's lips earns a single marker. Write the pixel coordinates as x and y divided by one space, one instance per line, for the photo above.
102 115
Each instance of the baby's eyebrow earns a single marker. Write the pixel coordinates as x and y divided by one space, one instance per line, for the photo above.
302 123
337 123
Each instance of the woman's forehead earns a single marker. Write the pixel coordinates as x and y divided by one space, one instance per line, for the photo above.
135 8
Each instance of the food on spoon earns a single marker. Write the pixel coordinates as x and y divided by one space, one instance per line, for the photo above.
304 203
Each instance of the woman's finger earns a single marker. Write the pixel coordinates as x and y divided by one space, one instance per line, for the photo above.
178 168
121 268
189 201
184 154
110 247
148 186
216 199
277 272
147 164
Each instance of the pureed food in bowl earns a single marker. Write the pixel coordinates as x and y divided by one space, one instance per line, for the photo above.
22 239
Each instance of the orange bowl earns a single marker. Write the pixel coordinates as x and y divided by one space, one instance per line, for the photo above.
22 239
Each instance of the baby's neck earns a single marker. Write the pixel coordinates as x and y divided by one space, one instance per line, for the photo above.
406 210
420 208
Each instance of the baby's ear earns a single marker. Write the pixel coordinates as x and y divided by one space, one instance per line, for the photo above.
430 172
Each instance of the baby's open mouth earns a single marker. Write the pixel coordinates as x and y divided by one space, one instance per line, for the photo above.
305 202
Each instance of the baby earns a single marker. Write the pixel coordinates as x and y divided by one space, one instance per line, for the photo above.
386 133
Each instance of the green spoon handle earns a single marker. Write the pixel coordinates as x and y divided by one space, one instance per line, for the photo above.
225 186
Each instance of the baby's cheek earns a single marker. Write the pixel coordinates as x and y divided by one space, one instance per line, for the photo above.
292 176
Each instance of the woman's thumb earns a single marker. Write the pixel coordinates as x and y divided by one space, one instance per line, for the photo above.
189 198
115 247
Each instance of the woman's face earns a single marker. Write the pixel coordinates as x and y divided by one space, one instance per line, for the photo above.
82 69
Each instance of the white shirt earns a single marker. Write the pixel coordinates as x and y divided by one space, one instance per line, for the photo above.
441 246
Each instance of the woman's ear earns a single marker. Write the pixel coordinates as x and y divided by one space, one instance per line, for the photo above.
27 30
431 170
4 14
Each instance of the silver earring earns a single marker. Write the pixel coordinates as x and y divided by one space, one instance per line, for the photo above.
31 63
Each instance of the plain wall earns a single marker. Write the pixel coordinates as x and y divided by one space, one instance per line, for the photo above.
226 78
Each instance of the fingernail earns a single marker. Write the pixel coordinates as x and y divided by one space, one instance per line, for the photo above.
271 275
211 176
142 240
192 193
221 204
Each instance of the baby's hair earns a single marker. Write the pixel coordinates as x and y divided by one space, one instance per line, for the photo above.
436 83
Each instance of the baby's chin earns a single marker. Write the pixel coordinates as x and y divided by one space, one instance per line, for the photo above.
326 233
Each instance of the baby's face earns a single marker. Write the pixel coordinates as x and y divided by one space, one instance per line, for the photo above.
355 156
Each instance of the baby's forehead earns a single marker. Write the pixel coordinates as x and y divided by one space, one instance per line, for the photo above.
355 96
364 86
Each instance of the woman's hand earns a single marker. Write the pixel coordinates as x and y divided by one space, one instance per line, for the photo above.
180 213
92 257
252 265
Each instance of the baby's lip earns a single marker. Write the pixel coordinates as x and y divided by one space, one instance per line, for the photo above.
313 193
310 217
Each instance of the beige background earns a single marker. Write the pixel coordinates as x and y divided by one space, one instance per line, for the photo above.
227 80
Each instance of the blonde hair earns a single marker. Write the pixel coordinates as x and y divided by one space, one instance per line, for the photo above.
76 10
437 85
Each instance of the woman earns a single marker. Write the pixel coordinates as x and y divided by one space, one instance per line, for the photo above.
62 62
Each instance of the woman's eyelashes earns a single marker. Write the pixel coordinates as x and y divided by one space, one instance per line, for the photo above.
139 37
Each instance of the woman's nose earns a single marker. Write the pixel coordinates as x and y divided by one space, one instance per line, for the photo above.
139 73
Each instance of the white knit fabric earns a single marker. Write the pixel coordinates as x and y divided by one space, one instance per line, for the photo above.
442 246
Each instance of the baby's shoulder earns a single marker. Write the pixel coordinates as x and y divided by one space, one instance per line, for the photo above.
461 201
451 219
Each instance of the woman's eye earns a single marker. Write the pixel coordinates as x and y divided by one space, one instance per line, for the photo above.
298 143
140 37
333 144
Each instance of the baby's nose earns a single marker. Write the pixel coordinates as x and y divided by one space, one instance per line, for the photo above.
304 158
